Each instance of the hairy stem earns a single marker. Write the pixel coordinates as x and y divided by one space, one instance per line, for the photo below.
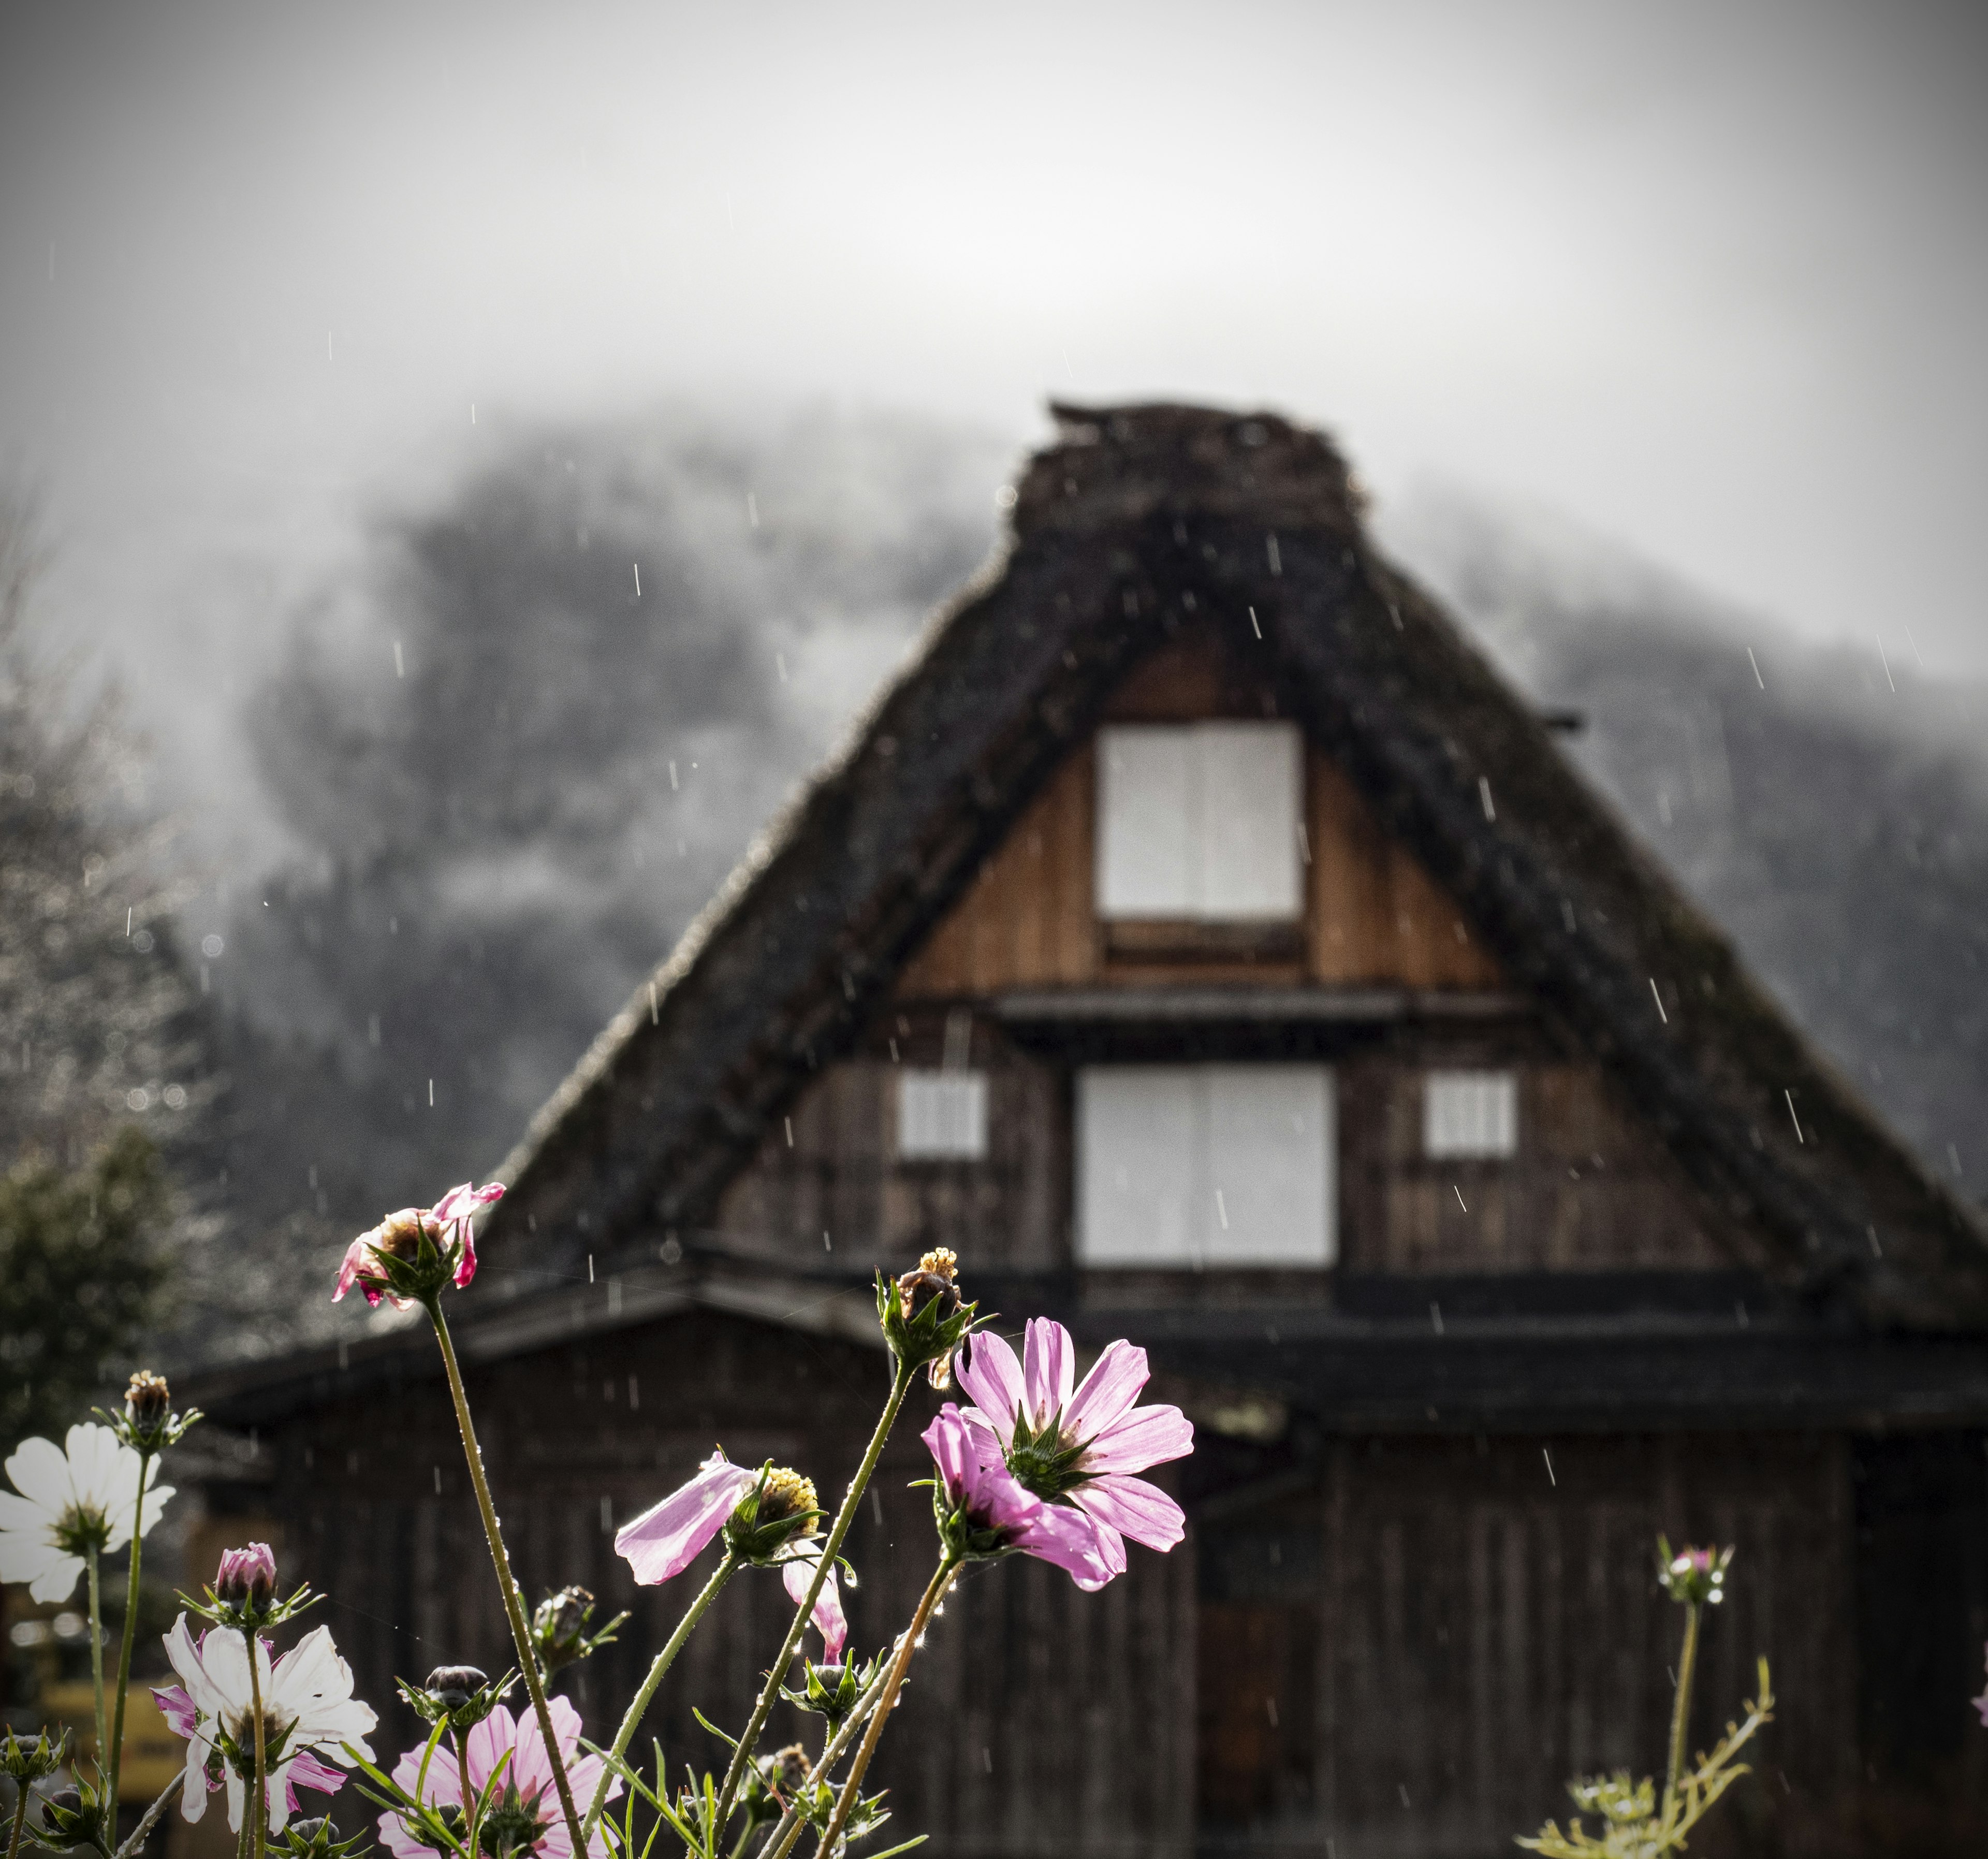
124 1651
900 1385
143 1831
844 1802
258 1800
727 1566
513 1606
97 1659
20 1815
1681 1711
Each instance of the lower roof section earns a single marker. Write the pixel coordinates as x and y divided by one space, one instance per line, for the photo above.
1545 1352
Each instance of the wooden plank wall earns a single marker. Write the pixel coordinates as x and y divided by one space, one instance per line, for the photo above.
840 1174
1456 1634
1066 1724
1374 917
1590 1189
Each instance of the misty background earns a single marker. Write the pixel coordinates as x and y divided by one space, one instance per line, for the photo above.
492 452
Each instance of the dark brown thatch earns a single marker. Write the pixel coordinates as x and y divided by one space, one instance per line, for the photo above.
1137 518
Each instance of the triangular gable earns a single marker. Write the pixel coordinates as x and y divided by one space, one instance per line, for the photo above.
1138 522
1373 916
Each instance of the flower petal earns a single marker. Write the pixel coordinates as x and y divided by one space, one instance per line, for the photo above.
1146 1436
829 1619
667 1539
1048 1359
985 1368
489 1743
177 1709
1069 1540
57 1582
1110 1387
39 1469
1135 1509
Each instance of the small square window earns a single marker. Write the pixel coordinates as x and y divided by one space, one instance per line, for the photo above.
942 1116
1470 1116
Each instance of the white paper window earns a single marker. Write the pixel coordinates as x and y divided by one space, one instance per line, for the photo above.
1470 1114
1206 1165
942 1116
1200 821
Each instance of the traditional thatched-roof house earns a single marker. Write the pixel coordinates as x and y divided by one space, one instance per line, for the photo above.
1203 940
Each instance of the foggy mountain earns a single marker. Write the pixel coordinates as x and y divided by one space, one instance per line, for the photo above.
522 753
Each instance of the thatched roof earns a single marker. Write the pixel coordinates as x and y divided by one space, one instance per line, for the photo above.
1135 518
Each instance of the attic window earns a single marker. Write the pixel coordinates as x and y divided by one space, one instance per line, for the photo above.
942 1116
1198 823
1470 1116
1206 1165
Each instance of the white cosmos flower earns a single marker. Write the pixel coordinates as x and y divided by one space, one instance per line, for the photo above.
69 1503
309 1713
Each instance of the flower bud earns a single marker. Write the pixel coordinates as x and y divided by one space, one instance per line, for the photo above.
923 1315
246 1579
462 1696
1696 1577
832 1691
789 1767
315 1839
69 1819
454 1685
29 1762
148 1401
559 1629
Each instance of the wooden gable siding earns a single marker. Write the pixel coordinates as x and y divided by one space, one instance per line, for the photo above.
1028 1745
1415 1657
1373 916
1589 1189
832 1166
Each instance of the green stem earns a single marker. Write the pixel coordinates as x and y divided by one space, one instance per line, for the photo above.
901 1386
125 1652
20 1814
514 1607
258 1799
727 1566
1681 1710
97 1659
941 1578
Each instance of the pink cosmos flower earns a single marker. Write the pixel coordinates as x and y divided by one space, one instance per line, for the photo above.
1083 1444
665 1539
983 1494
525 1814
450 1223
830 1620
1981 1703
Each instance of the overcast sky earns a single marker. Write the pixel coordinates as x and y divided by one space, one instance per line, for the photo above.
1706 279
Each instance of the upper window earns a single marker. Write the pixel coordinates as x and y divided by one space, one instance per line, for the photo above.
1470 1115
1206 1165
942 1116
1199 822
